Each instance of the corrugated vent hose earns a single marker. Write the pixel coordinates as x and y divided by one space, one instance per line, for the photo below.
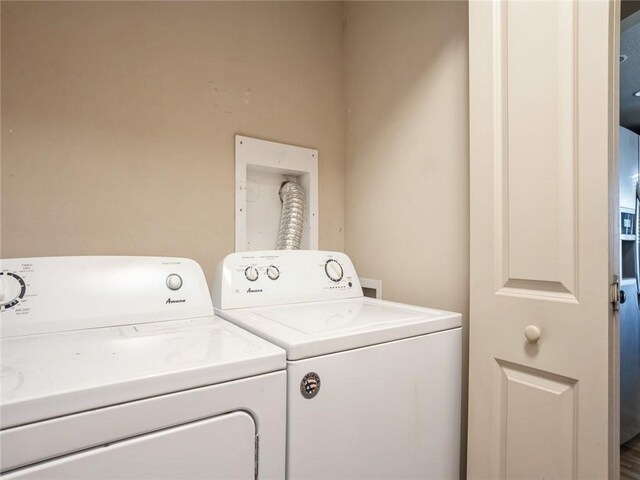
292 217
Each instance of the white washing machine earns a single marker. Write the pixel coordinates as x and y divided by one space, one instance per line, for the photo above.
374 387
117 368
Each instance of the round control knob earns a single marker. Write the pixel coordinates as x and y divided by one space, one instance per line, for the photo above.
174 281
333 269
533 333
12 289
272 272
251 273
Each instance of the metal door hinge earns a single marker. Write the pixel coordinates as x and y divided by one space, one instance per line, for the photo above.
614 293
257 457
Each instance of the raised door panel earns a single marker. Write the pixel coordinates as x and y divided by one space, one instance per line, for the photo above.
535 155
538 435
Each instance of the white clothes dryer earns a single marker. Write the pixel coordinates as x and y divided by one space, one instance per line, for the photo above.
374 387
117 368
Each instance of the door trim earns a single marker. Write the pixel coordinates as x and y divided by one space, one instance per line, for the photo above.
614 237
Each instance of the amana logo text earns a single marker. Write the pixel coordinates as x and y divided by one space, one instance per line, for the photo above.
174 301
250 290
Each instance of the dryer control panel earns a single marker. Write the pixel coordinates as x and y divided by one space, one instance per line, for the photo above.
55 294
275 277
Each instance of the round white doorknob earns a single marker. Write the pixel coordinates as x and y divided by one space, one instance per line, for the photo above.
532 333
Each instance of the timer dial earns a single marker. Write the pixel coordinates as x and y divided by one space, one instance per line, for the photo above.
251 273
12 289
272 272
333 269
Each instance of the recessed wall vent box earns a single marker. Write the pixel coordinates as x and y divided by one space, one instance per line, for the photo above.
261 168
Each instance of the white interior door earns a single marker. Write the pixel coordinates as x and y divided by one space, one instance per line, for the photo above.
542 106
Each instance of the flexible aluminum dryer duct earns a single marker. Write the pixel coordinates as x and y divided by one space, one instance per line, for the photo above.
292 217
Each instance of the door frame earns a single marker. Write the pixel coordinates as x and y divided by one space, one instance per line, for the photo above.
614 236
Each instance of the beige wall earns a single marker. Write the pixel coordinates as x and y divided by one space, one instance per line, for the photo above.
407 161
118 120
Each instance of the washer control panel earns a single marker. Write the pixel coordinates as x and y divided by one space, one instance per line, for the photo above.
54 294
275 277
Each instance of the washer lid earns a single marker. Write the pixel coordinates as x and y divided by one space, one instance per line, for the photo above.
45 376
309 329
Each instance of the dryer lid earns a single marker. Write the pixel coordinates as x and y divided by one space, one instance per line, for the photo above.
309 329
50 375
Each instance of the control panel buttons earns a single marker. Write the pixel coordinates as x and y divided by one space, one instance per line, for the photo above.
12 289
333 269
251 273
272 272
174 281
